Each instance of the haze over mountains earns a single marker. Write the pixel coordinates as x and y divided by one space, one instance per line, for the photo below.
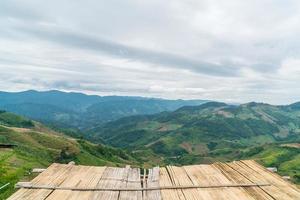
82 111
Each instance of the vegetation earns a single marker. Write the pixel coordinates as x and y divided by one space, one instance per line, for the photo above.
39 149
203 128
10 119
192 134
211 132
286 159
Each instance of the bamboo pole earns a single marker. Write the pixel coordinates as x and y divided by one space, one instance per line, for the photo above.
28 185
4 186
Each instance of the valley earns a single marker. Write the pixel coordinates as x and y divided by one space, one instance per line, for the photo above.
191 134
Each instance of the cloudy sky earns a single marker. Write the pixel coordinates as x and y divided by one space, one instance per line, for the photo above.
233 50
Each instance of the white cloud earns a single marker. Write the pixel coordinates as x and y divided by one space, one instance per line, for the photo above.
290 69
228 51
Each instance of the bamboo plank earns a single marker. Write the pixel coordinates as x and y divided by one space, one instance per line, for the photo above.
206 174
144 184
244 180
54 175
180 178
91 181
22 192
280 189
73 179
43 194
79 176
153 181
165 180
133 181
236 178
198 179
256 177
112 178
259 168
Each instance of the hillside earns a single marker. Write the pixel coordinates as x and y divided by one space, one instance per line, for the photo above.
39 146
80 111
9 119
211 132
192 134
199 129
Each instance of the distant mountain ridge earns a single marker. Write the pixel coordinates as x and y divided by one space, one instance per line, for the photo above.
83 111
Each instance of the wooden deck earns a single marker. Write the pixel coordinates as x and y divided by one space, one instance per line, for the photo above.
240 180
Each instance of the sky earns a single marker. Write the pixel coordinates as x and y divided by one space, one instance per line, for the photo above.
232 51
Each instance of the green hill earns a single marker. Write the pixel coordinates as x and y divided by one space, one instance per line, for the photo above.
10 119
211 132
39 146
200 129
190 135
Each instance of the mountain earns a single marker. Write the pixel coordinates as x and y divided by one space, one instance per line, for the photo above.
211 132
194 128
82 111
189 135
37 146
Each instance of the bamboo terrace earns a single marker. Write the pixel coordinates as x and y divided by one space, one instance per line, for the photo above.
238 180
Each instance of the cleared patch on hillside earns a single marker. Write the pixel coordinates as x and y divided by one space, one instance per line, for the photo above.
293 145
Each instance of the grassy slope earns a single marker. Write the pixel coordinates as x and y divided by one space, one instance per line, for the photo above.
39 147
10 119
202 129
212 132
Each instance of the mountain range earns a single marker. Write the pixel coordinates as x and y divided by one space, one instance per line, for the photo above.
198 129
81 111
149 131
212 132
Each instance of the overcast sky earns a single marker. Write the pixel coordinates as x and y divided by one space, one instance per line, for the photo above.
233 50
